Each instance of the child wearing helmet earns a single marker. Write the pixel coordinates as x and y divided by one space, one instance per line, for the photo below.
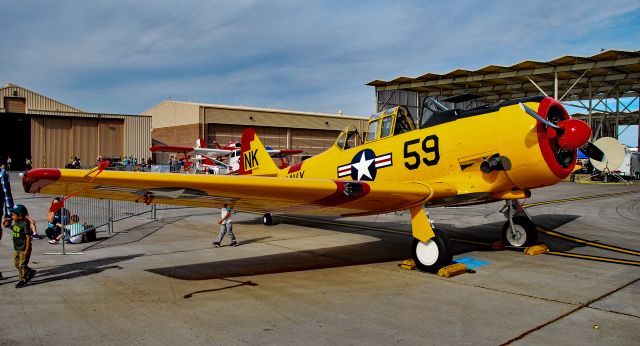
21 230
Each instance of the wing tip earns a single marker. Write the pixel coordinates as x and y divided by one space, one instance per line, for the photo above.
37 178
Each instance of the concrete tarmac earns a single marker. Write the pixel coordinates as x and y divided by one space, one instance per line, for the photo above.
321 281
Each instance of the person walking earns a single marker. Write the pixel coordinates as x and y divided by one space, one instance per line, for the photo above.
226 226
8 163
22 244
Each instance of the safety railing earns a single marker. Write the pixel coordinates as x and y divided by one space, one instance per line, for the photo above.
97 213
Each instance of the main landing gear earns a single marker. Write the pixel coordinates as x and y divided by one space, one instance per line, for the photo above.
519 230
430 249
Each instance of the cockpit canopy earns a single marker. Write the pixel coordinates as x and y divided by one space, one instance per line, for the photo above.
435 113
348 138
390 122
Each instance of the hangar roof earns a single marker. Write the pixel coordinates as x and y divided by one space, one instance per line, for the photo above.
606 71
247 108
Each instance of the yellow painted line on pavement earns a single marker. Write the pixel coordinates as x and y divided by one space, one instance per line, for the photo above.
614 194
595 258
587 242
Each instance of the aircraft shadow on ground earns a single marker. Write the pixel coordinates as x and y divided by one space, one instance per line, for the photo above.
340 256
133 234
390 247
75 270
491 232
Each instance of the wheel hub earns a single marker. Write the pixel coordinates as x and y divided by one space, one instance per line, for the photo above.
517 235
428 252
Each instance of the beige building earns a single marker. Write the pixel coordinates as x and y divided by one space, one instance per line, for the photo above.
52 132
182 123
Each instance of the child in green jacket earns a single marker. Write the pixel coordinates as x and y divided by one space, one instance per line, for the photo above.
22 244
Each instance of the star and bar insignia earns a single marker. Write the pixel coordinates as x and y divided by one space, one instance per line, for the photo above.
365 165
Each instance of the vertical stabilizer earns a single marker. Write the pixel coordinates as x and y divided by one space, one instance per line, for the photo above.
254 158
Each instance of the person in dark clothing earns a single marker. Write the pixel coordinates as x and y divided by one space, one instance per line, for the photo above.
56 215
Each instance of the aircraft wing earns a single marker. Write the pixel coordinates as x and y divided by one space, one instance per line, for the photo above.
201 151
279 153
248 193
170 149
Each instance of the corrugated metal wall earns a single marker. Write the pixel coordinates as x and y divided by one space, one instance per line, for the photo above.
311 141
137 136
83 138
15 104
111 138
34 100
51 141
59 131
250 118
55 140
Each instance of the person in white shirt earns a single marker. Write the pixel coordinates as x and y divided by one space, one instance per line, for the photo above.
74 231
226 226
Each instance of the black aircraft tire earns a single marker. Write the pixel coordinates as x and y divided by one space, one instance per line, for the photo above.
525 228
432 255
267 219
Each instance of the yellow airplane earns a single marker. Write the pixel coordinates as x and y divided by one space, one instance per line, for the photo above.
450 158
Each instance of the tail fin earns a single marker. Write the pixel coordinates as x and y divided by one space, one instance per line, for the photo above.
254 158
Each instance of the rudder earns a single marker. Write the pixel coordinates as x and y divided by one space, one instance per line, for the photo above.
254 158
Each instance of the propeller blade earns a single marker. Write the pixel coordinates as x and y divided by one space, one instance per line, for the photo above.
535 115
593 151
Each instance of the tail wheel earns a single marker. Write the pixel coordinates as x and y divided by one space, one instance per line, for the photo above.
433 254
524 232
267 219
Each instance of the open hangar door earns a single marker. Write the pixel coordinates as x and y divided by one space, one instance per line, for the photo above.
15 141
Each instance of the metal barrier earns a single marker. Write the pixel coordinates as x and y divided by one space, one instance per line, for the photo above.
103 212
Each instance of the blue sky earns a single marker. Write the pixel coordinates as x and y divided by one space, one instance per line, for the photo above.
125 56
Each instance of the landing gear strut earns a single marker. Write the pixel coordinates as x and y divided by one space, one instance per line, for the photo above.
519 230
430 249
267 219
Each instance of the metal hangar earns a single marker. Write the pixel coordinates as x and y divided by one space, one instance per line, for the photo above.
181 123
51 132
602 88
